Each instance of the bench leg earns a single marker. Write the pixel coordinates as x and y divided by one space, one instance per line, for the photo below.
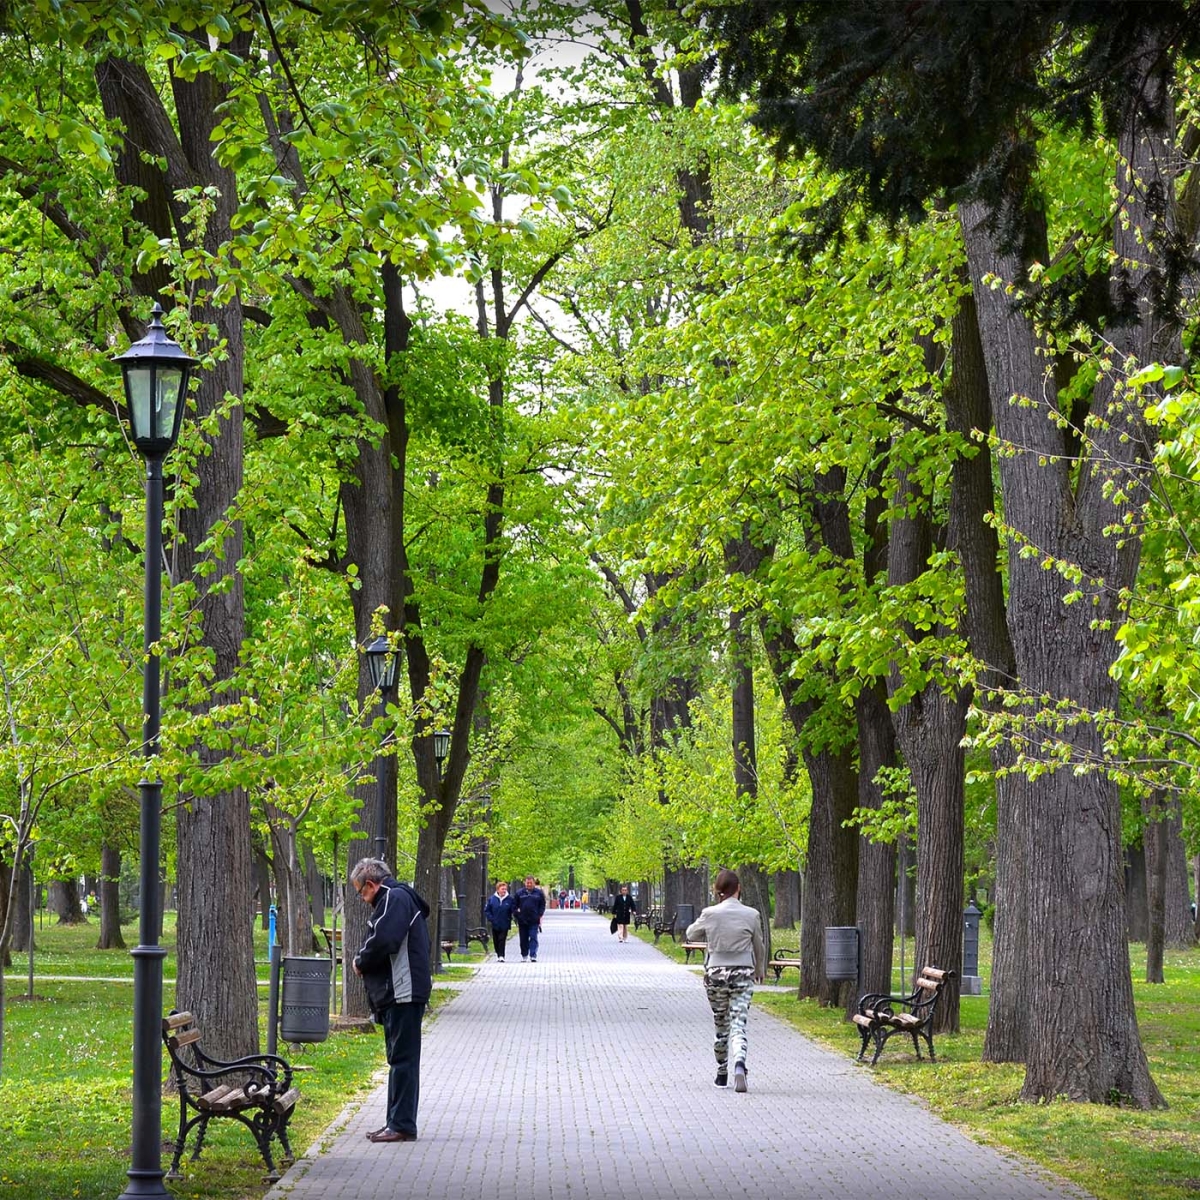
916 1045
882 1033
865 1034
263 1125
929 1042
201 1123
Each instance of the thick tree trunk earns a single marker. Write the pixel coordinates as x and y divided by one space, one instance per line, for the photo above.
1137 895
1178 932
110 899
929 729
1007 1037
64 901
1083 1042
876 860
215 973
786 885
685 885
831 875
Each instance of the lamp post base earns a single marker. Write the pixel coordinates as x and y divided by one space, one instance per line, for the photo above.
143 1184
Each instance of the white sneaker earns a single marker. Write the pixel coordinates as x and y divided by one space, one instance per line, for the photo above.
524 957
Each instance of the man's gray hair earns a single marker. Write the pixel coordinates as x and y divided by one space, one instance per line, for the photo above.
369 870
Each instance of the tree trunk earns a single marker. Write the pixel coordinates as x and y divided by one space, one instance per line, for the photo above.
787 898
1083 1042
22 926
876 860
1007 1036
685 885
261 868
5 885
110 898
295 932
1137 910
831 874
930 727
1154 840
1178 931
64 900
162 155
316 889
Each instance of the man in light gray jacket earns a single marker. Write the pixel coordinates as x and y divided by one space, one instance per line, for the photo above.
735 960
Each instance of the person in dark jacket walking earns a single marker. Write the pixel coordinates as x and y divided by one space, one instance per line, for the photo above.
394 965
498 912
528 906
624 906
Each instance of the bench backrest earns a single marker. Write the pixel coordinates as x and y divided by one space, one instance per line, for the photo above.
928 988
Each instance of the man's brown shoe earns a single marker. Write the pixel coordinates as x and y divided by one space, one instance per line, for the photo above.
381 1129
390 1135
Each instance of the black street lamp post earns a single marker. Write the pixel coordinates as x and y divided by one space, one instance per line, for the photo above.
156 374
382 662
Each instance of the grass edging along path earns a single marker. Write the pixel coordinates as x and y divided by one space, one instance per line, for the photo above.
65 1092
1113 1152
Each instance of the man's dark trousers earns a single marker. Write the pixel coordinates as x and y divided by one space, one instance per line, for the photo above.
402 1037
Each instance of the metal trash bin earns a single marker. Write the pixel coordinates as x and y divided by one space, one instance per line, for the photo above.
841 952
304 1015
685 914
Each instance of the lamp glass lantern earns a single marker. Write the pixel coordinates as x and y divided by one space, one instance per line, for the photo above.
383 663
156 372
441 745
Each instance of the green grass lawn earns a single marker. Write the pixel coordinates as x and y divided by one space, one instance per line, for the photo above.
1115 1153
65 1089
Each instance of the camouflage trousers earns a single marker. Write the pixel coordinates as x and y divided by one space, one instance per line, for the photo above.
729 990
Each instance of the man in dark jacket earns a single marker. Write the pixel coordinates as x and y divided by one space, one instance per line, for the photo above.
394 966
528 906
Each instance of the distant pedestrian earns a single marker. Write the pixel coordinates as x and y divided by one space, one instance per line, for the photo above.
572 899
562 898
734 961
394 966
499 914
624 906
528 906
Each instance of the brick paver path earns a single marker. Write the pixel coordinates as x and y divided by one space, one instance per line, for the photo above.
588 1075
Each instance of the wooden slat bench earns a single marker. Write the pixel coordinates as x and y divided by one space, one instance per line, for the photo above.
665 925
256 1091
782 958
647 918
333 942
879 1016
690 948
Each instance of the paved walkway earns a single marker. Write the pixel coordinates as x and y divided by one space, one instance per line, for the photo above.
588 1076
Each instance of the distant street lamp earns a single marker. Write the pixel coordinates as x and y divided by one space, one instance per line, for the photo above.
383 662
156 372
441 748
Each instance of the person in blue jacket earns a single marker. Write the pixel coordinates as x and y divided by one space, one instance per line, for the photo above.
528 906
498 912
394 965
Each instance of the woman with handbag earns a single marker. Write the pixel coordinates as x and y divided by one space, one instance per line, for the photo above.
624 906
